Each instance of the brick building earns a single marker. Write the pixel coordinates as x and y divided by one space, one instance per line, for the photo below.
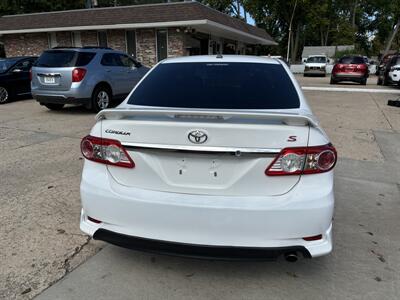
148 32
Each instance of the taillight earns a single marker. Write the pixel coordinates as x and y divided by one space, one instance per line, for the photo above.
303 160
78 74
106 151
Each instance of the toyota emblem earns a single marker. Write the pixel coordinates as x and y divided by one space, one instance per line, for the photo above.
197 137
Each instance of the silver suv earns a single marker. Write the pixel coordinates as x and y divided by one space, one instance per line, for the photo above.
93 77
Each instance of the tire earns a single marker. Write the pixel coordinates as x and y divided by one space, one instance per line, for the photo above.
101 98
53 106
379 82
333 81
4 95
385 81
364 81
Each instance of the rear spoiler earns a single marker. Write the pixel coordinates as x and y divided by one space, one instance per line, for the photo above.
284 118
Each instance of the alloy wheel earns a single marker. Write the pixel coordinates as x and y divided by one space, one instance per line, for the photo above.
103 100
3 95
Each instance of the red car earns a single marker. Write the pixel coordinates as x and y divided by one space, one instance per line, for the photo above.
350 68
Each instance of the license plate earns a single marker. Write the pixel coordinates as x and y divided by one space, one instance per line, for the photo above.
49 80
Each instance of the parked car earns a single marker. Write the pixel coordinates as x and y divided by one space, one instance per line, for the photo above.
94 77
350 68
315 65
226 162
14 77
390 73
382 63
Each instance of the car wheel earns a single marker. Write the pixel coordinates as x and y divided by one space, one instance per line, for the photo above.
53 106
4 95
379 82
101 98
385 81
363 81
333 81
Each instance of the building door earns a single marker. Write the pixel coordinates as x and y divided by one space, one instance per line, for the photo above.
162 44
131 42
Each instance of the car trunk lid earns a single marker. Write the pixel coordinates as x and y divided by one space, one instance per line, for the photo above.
230 160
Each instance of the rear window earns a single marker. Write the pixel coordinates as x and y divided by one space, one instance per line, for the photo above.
317 59
352 60
217 85
64 58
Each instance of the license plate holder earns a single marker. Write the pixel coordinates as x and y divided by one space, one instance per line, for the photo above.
49 80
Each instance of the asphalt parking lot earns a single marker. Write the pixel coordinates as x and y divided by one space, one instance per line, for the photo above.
41 242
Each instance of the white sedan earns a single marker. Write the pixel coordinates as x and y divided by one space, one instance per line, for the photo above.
211 156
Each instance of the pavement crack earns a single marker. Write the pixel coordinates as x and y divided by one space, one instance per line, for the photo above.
66 265
381 110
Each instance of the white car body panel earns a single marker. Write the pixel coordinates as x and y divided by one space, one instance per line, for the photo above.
176 193
394 74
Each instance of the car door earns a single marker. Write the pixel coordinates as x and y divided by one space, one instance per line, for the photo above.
20 76
133 74
116 74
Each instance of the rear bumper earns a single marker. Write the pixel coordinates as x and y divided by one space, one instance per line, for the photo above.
218 221
349 76
321 72
43 99
78 94
196 251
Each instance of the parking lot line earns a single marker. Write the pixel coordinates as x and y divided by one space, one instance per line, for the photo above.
337 89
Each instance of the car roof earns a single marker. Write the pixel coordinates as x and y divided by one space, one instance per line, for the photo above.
221 58
86 49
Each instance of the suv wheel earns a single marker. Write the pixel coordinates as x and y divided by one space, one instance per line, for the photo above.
101 98
53 106
4 96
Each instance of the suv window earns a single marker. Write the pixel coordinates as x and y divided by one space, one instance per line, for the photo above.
64 58
24 65
346 60
84 58
217 85
110 60
126 61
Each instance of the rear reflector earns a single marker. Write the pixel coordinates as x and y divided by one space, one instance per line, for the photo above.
313 238
303 160
94 220
106 151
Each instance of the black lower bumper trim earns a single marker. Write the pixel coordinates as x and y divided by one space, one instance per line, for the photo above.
196 251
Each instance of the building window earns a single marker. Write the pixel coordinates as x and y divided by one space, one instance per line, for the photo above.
76 39
131 42
52 39
162 43
102 38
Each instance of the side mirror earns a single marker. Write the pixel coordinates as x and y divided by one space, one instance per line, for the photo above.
16 70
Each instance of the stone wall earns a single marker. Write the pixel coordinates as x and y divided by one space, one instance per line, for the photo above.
64 39
25 44
175 43
89 38
35 43
116 39
146 46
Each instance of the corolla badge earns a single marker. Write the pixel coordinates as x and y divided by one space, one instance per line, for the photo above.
197 137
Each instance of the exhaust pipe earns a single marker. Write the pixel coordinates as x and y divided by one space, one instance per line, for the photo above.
291 256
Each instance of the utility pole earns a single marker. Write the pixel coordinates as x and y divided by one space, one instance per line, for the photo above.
290 32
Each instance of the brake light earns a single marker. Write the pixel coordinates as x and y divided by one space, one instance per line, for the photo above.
78 74
106 151
303 160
